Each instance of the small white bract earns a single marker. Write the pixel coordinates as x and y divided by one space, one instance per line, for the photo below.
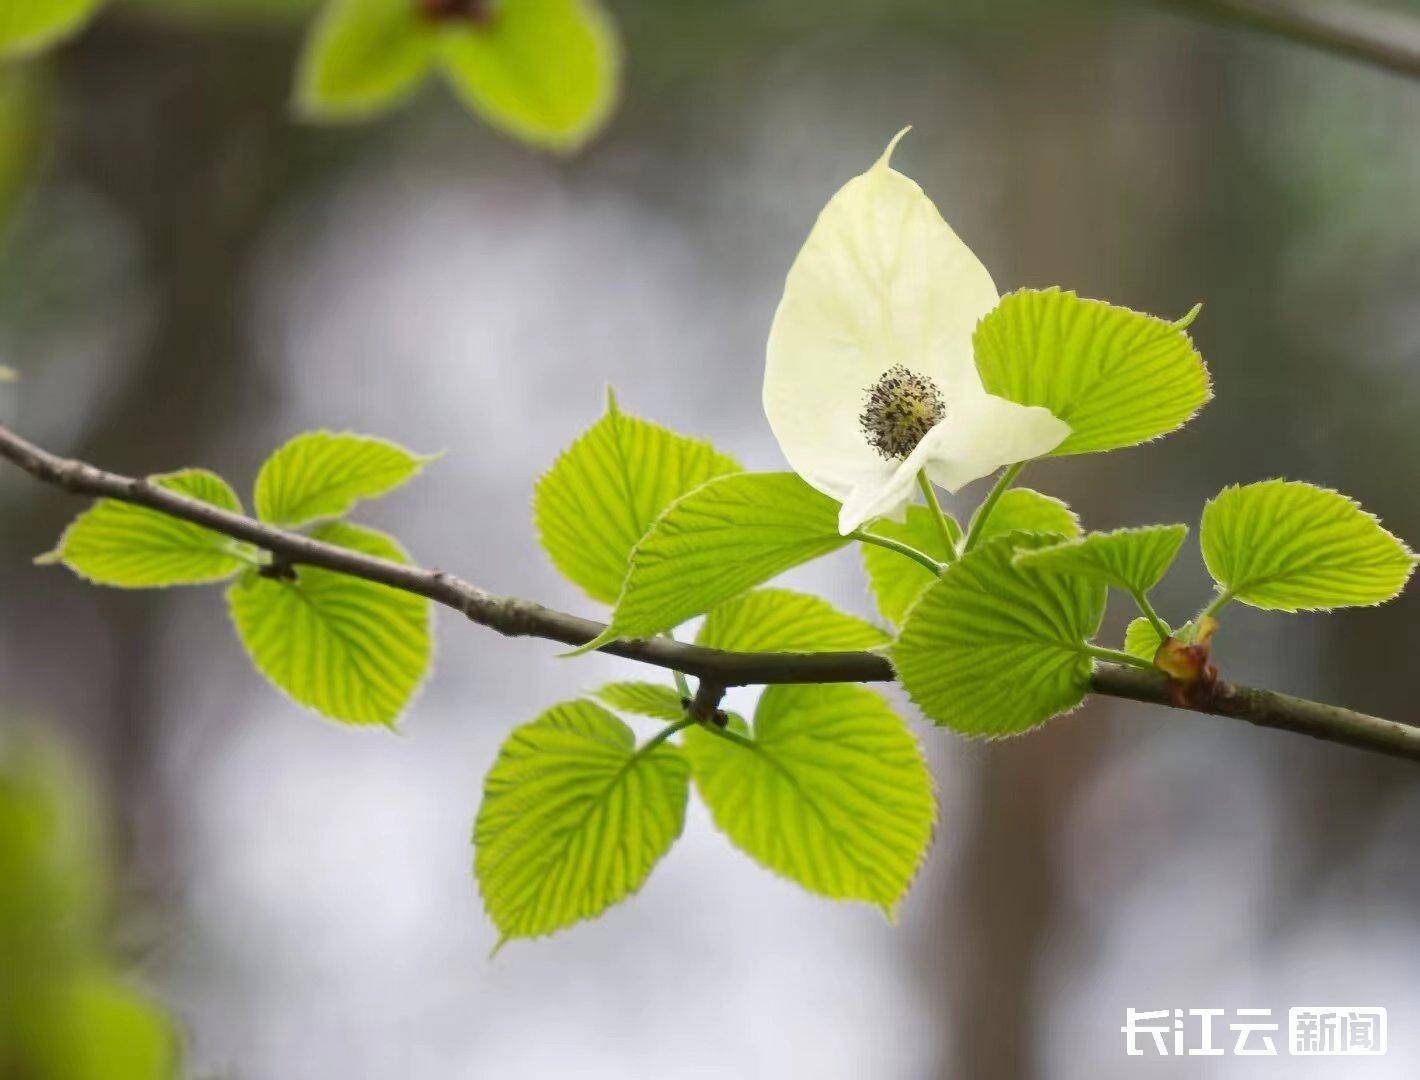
869 376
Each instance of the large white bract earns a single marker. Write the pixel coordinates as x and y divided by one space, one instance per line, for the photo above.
883 284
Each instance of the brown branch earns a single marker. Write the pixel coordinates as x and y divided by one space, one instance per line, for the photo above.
1384 39
716 668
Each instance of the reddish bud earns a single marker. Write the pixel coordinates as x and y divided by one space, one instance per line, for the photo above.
1189 664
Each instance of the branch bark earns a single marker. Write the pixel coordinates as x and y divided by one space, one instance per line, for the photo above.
1384 39
515 617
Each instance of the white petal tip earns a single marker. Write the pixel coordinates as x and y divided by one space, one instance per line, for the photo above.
885 161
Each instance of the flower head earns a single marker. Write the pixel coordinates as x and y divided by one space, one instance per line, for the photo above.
869 376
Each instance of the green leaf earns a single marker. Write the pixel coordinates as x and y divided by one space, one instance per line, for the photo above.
832 792
643 699
238 13
995 649
1024 510
323 475
779 620
361 58
1117 377
94 1027
62 1015
723 538
897 581
1134 560
27 26
1289 546
573 819
605 490
1142 640
51 863
24 122
132 547
350 649
544 71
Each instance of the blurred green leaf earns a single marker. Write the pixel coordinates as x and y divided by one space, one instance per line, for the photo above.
543 70
643 699
1290 546
1117 377
897 581
1134 560
604 491
323 475
94 1027
996 649
778 620
363 57
1024 510
63 1015
236 11
831 791
723 538
350 649
131 547
50 864
574 818
24 119
27 26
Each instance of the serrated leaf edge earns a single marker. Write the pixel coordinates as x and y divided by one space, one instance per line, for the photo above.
1356 504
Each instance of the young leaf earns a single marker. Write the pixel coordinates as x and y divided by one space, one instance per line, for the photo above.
897 581
832 793
1024 510
1142 640
573 819
27 26
1289 546
1134 560
995 649
778 620
323 475
542 70
361 58
643 699
132 547
1117 377
721 539
605 490
350 649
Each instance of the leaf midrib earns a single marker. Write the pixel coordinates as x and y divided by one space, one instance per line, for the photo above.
561 848
759 747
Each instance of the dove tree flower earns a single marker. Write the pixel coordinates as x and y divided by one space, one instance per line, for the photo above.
870 381
892 361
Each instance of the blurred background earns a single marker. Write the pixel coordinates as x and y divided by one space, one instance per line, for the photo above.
193 277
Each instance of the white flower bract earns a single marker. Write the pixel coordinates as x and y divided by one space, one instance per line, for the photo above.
882 284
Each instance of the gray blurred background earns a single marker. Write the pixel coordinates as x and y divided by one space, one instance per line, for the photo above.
196 277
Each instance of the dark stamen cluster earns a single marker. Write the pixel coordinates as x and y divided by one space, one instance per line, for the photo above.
902 407
475 11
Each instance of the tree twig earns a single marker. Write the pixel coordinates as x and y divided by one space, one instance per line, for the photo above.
1360 31
716 668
